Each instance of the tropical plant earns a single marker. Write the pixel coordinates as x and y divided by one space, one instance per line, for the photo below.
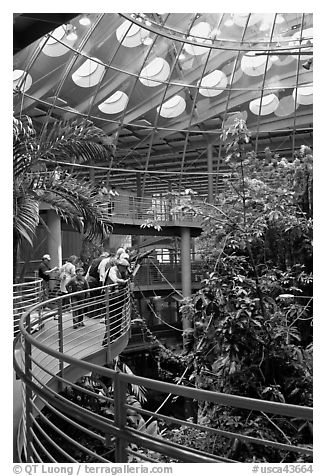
252 331
40 175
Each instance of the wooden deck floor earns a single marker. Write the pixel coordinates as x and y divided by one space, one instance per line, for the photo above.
83 343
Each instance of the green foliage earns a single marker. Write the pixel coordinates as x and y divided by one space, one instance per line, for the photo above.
252 332
37 179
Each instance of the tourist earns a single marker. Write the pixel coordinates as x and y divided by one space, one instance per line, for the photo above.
78 301
116 297
93 279
67 272
44 272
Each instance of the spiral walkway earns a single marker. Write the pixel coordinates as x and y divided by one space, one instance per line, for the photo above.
54 355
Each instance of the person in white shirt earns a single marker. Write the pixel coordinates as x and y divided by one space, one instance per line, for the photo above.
116 298
67 272
104 266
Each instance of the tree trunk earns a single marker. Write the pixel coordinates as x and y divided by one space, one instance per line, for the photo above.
89 251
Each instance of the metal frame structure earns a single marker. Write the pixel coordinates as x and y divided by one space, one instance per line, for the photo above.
169 152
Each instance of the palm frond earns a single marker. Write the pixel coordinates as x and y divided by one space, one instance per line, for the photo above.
22 128
24 145
26 217
75 142
138 390
78 204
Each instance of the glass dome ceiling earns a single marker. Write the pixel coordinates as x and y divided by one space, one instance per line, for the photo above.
165 85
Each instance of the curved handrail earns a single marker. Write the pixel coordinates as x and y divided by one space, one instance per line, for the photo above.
25 295
43 355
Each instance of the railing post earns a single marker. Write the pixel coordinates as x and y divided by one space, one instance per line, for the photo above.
38 292
126 307
28 395
107 323
120 417
60 332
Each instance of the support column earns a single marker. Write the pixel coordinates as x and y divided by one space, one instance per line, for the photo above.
187 325
54 238
185 262
136 238
210 173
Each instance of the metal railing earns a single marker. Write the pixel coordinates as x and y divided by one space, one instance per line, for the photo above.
25 295
159 209
56 429
155 273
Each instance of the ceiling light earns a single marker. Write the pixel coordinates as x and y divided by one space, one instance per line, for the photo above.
273 58
85 20
307 64
71 33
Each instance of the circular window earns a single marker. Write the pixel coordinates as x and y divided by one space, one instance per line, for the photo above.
114 104
89 73
215 79
22 80
52 47
304 95
286 107
199 34
265 105
173 107
255 65
130 35
155 73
